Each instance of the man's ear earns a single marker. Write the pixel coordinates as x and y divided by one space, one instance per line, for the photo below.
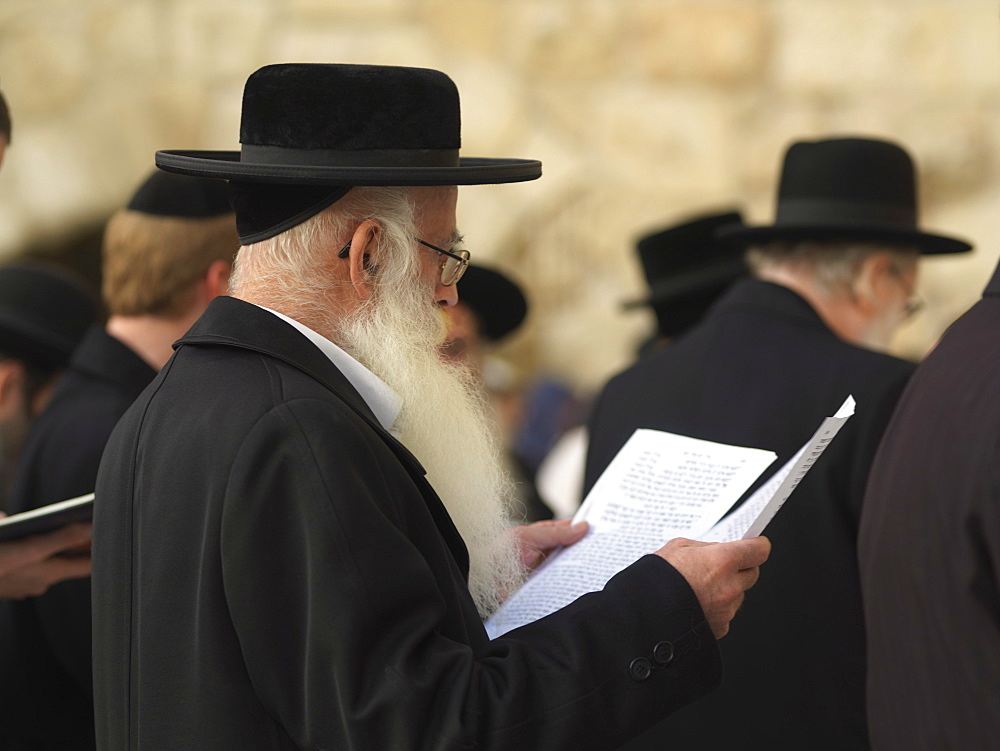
12 374
871 283
217 278
363 244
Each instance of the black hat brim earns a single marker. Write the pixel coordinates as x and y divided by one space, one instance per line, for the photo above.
226 165
927 243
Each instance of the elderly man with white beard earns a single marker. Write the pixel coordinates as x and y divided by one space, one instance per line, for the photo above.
272 568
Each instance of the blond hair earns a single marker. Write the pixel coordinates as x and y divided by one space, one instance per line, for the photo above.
152 263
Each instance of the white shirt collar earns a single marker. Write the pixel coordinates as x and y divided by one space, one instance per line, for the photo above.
382 400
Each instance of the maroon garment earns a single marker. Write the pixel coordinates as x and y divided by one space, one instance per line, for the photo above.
930 549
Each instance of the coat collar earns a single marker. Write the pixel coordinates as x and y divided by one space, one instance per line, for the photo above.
231 322
104 357
755 295
993 288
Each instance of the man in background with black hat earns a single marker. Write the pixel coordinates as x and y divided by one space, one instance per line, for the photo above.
272 569
686 268
165 257
28 567
834 276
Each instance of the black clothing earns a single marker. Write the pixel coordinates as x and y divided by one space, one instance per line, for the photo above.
763 370
272 571
45 672
929 547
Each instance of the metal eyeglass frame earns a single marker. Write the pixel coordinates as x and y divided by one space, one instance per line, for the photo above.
449 276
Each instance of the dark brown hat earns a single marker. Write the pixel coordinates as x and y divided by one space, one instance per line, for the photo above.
847 189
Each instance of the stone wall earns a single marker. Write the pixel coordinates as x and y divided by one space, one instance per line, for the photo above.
643 112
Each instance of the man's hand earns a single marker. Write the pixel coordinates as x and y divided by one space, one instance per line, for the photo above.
719 573
537 541
30 566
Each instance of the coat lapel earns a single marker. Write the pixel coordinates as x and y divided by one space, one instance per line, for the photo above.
230 322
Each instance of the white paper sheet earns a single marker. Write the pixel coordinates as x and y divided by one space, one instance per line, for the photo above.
658 487
754 514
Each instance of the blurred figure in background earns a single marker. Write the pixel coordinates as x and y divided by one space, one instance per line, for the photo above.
165 257
490 307
929 547
44 313
686 269
28 567
834 276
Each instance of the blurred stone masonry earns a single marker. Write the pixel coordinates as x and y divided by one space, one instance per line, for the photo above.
643 111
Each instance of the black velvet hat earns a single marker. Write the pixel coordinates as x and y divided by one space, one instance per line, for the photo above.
44 313
495 299
166 194
687 268
847 189
319 129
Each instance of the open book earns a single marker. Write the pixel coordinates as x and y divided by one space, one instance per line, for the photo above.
661 486
47 518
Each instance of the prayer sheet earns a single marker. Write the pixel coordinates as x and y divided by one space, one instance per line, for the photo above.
660 486
753 515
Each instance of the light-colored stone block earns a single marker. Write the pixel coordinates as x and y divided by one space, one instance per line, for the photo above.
715 43
953 47
830 47
577 40
472 27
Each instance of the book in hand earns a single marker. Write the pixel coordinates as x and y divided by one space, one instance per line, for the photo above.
47 518
661 486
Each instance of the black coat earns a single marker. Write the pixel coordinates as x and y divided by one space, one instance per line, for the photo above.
930 549
272 571
45 656
763 370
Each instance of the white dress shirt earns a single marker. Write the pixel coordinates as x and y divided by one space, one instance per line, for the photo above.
382 400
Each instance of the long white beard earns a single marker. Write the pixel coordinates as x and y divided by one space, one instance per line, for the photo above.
446 422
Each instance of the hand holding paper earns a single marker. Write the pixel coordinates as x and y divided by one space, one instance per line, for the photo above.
659 487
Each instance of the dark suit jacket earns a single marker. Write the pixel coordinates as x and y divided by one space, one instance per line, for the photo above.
930 549
763 370
272 571
45 673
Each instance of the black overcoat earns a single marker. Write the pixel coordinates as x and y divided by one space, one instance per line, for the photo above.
46 696
930 548
763 370
272 571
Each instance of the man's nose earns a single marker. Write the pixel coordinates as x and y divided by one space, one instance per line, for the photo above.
447 297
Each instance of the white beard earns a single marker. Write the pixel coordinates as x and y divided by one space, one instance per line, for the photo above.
446 422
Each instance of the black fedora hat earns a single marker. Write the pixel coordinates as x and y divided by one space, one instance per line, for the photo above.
320 129
497 301
687 260
44 313
847 189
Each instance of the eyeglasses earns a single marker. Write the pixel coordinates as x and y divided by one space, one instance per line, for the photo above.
453 262
912 306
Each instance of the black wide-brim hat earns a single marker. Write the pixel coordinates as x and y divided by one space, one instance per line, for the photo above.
686 260
44 313
497 301
846 189
324 128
